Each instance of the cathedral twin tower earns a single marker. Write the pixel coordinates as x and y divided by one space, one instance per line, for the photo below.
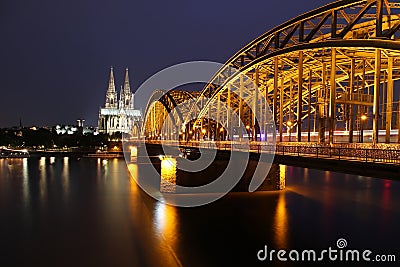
119 115
126 96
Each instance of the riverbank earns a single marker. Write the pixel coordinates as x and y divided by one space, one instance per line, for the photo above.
73 153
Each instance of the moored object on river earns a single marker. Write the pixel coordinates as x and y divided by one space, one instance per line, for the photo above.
13 153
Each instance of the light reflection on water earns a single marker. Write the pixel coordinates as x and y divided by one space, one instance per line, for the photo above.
168 174
166 222
43 178
65 177
68 204
25 175
281 222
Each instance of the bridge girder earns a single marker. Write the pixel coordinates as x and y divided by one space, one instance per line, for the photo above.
320 71
350 44
166 107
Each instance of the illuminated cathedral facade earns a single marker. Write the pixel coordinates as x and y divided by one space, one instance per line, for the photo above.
119 114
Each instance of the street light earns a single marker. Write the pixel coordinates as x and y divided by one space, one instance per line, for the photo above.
221 133
203 131
363 119
248 131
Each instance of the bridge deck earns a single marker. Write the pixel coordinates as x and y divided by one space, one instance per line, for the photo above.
367 153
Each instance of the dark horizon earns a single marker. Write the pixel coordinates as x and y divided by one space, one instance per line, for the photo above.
56 55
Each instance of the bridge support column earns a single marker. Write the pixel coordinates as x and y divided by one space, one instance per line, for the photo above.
274 101
209 125
265 106
255 108
229 123
350 97
322 106
377 84
332 96
300 96
241 115
389 100
309 106
281 96
217 133
398 123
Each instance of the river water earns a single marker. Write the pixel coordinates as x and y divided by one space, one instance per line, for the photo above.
90 212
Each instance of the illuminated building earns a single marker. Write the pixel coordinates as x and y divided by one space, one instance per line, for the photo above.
119 115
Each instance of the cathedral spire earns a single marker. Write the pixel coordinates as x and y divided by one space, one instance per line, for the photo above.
127 87
121 98
111 95
111 83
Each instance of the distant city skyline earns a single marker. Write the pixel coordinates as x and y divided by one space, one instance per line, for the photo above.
56 55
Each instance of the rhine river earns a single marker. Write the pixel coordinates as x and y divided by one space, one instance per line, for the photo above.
90 212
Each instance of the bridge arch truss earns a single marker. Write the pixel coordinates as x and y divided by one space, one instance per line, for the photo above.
333 68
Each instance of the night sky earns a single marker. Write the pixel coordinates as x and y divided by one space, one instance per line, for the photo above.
55 55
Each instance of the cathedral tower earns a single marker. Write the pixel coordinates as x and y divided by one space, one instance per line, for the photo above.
111 95
118 115
128 96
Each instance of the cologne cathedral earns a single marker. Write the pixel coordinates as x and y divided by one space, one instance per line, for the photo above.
119 114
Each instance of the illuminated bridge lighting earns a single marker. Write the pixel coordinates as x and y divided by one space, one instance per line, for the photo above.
335 67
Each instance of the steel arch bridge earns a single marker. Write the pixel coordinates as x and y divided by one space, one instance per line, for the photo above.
166 109
333 68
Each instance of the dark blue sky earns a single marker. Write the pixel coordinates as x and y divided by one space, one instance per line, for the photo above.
55 55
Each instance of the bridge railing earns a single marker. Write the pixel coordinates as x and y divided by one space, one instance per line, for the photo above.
342 153
389 154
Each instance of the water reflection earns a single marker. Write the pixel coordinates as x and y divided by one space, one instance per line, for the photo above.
327 177
65 177
386 198
282 177
43 179
281 213
166 222
104 163
117 224
168 174
25 183
281 222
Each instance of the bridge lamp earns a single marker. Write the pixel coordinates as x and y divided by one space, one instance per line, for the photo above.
248 127
289 123
363 119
